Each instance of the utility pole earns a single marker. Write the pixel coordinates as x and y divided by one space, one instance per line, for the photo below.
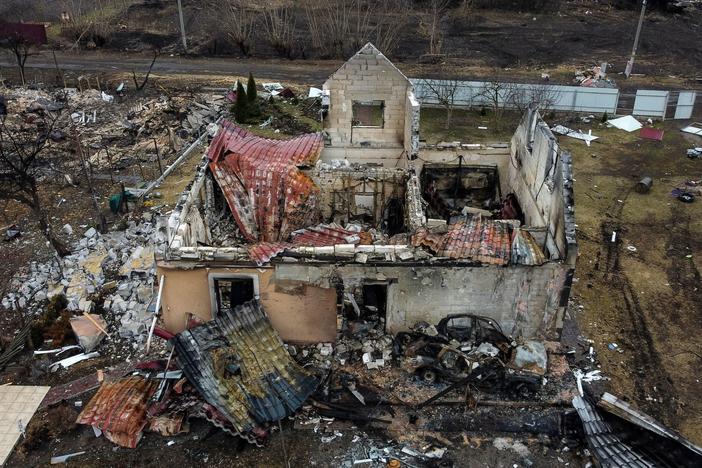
182 25
630 63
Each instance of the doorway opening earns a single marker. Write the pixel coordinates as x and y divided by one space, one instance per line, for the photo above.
375 300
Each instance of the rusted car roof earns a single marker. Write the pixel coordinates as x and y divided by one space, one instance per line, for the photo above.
239 365
266 192
119 409
482 240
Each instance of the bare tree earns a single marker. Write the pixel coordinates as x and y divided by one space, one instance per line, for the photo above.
431 24
21 49
498 95
444 93
391 20
279 27
540 95
237 18
141 86
95 19
25 157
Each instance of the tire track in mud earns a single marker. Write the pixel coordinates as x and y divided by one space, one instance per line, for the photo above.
645 362
683 276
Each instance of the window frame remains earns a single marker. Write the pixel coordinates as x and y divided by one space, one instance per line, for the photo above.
355 123
214 278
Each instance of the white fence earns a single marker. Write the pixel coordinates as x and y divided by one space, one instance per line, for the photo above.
556 97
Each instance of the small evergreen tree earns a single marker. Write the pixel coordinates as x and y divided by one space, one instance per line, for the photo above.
252 97
241 106
605 117
251 89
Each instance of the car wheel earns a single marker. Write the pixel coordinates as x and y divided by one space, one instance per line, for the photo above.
428 375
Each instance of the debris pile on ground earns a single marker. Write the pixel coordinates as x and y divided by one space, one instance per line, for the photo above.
594 77
111 273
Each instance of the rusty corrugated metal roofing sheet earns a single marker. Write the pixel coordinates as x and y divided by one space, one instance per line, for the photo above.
317 236
262 252
239 365
525 250
119 409
266 192
481 240
324 235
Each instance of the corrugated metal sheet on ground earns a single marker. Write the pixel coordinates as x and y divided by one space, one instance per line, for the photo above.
607 447
239 365
317 236
119 409
266 192
481 240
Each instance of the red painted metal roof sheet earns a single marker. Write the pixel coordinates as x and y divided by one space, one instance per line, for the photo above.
119 409
266 192
316 236
481 240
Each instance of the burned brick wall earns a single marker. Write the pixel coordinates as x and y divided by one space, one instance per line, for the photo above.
540 176
524 300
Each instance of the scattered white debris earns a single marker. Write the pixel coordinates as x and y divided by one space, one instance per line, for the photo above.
65 363
626 123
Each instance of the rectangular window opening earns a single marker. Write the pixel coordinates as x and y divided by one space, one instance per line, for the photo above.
228 292
368 114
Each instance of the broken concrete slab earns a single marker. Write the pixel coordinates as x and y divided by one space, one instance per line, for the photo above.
87 332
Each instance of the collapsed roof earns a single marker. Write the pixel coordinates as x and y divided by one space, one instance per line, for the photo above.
239 365
266 192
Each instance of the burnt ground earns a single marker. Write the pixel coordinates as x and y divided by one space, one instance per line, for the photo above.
642 291
53 433
489 43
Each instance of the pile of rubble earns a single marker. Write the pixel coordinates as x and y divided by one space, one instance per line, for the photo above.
594 77
112 273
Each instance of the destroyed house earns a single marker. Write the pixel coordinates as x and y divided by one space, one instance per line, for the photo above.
361 221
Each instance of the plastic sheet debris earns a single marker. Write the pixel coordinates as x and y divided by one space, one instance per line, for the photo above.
56 351
626 123
12 232
106 97
65 458
695 153
68 362
694 128
315 93
586 377
273 88
578 135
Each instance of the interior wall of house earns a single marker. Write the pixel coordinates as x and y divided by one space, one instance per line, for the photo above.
540 177
349 195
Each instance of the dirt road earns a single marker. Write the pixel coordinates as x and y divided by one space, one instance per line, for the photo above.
300 71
